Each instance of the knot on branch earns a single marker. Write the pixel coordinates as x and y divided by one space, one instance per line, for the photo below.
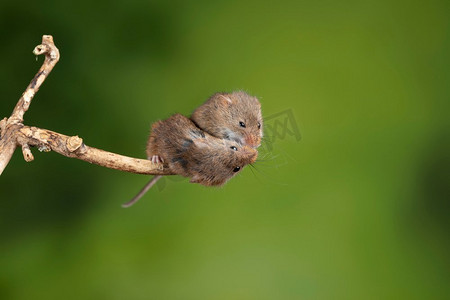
74 143
27 155
47 46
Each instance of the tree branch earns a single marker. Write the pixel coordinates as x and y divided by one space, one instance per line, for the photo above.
51 58
13 133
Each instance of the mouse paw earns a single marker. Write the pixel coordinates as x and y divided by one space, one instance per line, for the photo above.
156 159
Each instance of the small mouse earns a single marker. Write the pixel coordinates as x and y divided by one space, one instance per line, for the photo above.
190 152
233 116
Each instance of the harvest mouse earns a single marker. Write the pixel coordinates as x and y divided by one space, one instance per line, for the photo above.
190 152
233 116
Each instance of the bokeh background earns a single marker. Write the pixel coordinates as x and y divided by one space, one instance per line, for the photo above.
356 209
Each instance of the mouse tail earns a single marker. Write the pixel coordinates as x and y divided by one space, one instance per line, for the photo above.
142 192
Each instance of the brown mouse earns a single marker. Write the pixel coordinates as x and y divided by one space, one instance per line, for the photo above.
233 116
190 152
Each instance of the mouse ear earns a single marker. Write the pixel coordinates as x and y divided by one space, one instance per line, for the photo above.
200 143
224 99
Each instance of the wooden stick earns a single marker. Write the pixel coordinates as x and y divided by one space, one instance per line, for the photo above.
13 133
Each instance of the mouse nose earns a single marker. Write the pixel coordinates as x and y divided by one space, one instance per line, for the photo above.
251 153
252 141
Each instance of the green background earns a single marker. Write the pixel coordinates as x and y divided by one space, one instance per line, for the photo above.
357 209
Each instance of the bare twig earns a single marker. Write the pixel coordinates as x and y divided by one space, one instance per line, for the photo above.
13 133
26 151
73 146
51 58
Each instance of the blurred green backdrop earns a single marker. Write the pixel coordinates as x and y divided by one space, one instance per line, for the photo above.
358 209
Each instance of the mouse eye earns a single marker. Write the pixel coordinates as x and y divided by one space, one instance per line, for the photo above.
236 169
259 125
234 148
242 124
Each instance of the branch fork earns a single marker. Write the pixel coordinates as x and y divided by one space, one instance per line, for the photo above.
13 133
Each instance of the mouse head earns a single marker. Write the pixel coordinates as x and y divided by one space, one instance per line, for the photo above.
233 116
220 161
